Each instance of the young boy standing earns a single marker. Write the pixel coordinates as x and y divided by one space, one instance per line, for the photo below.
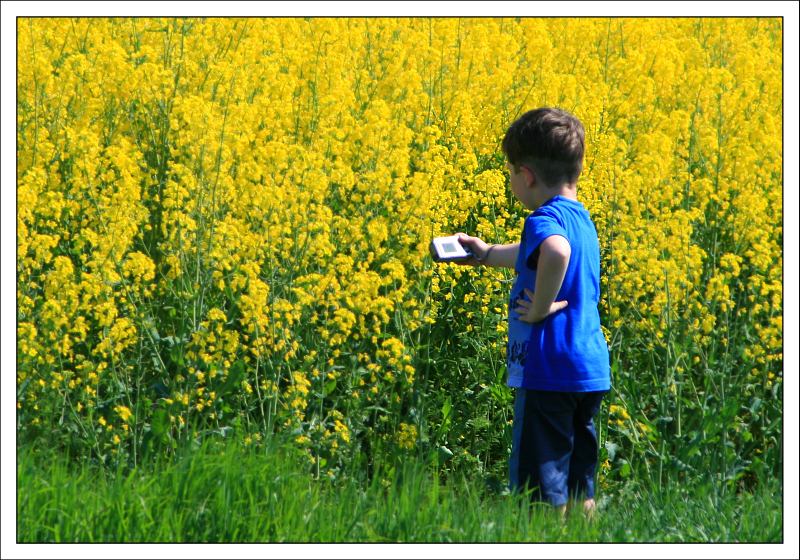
557 355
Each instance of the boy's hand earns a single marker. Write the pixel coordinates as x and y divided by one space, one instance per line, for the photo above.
478 247
526 312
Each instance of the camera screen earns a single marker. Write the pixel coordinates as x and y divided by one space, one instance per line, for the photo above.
449 248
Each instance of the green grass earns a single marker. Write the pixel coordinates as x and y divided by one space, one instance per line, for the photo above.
234 495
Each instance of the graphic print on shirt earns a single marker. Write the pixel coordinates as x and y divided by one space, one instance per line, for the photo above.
519 333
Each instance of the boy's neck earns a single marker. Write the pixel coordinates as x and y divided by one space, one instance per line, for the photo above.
541 196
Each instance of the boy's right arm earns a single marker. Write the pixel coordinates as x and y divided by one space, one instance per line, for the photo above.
497 256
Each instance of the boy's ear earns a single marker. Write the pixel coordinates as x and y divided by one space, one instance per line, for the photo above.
530 176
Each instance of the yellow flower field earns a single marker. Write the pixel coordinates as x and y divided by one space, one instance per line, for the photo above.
223 227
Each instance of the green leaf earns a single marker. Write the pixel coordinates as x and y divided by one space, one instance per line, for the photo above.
447 407
612 450
160 424
235 376
176 355
329 387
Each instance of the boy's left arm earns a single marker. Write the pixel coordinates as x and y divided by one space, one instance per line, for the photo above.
554 254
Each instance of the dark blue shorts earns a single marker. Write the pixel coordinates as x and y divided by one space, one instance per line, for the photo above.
554 445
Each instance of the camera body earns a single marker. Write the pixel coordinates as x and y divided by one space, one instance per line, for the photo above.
448 249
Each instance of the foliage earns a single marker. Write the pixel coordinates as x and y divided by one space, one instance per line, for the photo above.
223 228
230 494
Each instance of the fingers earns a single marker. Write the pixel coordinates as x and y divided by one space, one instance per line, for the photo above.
559 305
472 261
524 307
522 312
465 239
526 302
468 240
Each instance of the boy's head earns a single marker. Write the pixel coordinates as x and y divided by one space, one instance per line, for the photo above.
549 142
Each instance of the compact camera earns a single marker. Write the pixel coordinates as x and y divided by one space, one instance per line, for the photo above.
447 249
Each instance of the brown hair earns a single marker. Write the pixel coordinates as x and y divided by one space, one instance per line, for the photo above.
550 142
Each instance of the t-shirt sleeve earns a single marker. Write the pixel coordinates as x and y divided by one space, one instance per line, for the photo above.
539 227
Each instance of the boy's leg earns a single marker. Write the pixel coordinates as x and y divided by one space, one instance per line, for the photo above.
583 463
521 462
549 416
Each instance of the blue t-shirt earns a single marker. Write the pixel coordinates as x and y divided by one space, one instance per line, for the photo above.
567 350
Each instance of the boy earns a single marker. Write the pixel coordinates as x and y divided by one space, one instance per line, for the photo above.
557 355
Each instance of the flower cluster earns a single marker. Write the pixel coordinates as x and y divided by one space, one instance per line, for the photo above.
223 223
